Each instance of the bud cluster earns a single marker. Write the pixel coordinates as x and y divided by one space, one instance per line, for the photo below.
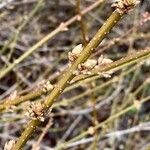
36 111
47 87
89 64
124 6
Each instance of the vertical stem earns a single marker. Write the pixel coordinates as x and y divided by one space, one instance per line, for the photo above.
82 23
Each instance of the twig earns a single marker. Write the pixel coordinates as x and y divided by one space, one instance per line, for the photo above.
130 59
118 134
111 118
68 75
62 27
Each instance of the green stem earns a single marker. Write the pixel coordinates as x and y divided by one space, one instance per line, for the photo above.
93 90
68 75
130 59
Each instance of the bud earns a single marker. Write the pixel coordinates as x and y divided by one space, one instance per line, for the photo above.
9 145
89 64
104 61
75 53
47 87
137 104
91 130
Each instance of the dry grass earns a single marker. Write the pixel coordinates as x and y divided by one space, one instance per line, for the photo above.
94 113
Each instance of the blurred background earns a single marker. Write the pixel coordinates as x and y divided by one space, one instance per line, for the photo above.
25 22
